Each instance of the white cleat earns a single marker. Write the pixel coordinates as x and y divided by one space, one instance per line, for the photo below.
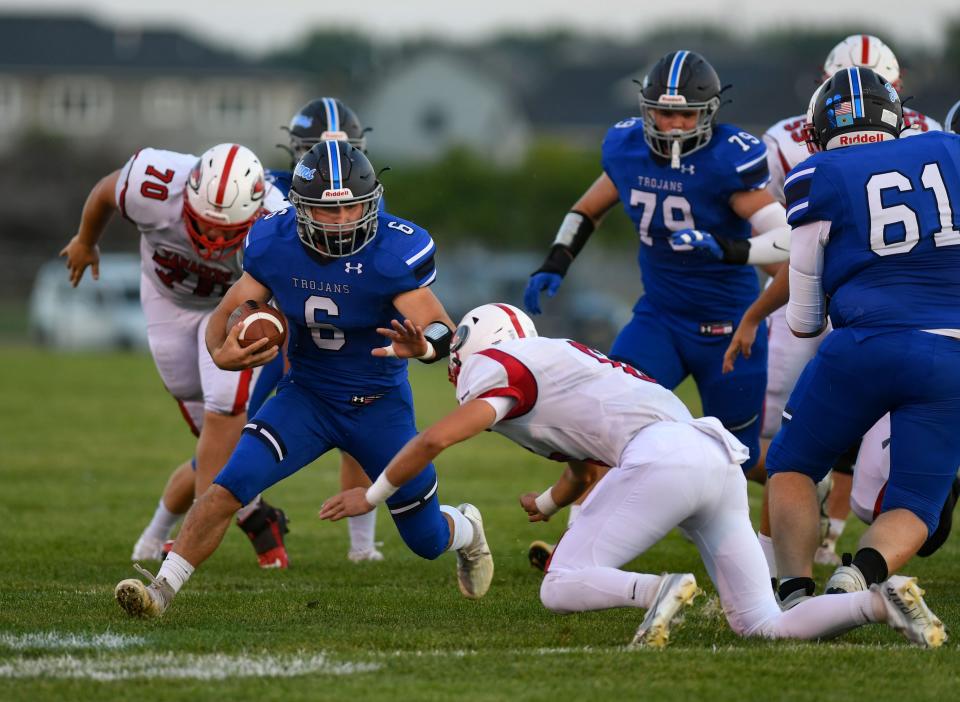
675 592
474 562
363 555
139 600
846 578
909 614
147 549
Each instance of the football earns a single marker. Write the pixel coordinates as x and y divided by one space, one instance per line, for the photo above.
259 320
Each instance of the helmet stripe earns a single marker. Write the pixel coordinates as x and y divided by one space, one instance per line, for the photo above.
333 156
855 94
333 115
676 66
865 50
513 319
228 164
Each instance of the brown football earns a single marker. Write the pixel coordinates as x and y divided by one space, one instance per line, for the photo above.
259 320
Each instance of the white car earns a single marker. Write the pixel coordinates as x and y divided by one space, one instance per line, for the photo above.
97 314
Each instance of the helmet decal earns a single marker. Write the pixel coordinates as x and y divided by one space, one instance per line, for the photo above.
514 320
301 120
676 67
225 176
305 173
333 114
336 172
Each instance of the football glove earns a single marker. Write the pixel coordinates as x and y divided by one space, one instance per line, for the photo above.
538 283
698 241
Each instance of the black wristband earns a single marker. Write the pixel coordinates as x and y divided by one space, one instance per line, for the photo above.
557 261
439 335
735 251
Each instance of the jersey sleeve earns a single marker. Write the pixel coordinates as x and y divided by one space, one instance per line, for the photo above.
747 158
613 143
257 244
150 187
274 199
409 258
809 194
493 373
775 164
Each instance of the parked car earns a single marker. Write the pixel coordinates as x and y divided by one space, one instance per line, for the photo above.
97 314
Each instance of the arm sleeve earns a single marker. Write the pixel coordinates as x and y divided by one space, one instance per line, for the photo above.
501 405
775 166
806 310
772 244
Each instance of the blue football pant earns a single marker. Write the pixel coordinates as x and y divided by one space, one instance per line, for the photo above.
850 384
297 426
669 349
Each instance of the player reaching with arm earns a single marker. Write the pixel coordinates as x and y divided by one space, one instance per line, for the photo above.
567 402
192 214
786 148
339 270
323 119
875 232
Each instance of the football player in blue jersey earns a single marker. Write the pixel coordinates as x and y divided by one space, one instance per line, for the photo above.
676 169
343 273
323 119
876 237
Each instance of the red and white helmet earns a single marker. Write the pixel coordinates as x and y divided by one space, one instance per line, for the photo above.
486 326
224 192
863 51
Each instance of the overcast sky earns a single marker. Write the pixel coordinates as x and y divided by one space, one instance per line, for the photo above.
256 26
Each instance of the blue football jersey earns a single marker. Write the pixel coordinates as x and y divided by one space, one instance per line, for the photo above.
893 256
333 306
282 180
661 200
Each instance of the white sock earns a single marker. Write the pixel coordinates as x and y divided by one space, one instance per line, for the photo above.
162 523
824 617
176 570
249 508
766 543
574 513
462 528
835 531
362 530
597 587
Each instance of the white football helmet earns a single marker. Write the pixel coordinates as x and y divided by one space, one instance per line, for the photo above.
225 193
486 326
863 50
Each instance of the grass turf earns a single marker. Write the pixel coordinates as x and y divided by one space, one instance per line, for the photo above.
87 442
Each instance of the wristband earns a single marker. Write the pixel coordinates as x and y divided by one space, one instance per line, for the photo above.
545 503
381 490
429 355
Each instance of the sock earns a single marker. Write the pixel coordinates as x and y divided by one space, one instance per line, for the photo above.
574 513
834 533
162 523
872 564
597 587
825 617
175 570
361 530
462 528
249 508
790 584
766 543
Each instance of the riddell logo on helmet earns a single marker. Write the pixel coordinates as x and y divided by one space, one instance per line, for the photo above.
846 139
336 194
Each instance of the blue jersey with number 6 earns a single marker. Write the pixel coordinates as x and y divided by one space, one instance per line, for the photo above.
661 200
334 305
892 260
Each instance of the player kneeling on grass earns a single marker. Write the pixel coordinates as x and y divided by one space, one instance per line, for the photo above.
568 402
341 271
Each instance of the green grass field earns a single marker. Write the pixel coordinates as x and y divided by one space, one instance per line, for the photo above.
86 444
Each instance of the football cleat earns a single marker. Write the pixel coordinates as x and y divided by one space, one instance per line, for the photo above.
474 562
265 527
676 591
367 554
139 600
846 578
539 554
909 614
147 549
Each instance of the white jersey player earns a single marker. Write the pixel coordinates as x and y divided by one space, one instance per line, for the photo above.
192 214
567 402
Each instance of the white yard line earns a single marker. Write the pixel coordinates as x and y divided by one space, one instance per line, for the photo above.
168 665
55 640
